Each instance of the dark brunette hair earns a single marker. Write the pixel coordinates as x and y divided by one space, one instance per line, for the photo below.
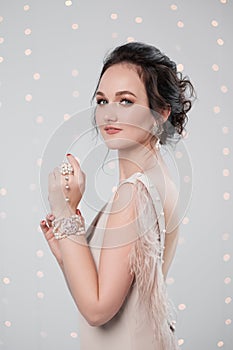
165 87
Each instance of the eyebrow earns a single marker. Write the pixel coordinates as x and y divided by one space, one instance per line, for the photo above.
119 93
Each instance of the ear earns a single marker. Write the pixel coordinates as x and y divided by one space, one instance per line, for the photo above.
165 112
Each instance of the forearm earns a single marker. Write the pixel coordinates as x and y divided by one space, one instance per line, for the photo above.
63 271
81 276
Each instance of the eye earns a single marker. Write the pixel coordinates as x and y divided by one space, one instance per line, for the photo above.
101 101
126 102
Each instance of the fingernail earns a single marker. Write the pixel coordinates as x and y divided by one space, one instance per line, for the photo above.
43 222
78 211
68 154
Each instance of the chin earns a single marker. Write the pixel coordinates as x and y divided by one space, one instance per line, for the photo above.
120 144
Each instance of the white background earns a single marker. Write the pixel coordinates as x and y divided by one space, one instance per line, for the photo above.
36 309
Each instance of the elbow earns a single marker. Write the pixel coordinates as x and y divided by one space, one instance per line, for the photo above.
96 320
97 315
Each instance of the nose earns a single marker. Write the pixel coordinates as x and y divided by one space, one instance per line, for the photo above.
110 112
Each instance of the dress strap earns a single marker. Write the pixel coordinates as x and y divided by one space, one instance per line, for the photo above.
154 194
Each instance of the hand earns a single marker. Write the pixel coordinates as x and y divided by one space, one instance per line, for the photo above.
58 192
47 229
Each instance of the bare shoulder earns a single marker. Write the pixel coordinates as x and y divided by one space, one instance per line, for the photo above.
124 197
120 228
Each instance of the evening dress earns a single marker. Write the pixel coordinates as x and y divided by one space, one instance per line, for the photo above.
144 325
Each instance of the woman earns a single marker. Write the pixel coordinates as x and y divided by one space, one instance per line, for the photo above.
116 270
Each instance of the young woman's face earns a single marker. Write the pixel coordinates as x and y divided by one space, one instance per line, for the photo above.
122 103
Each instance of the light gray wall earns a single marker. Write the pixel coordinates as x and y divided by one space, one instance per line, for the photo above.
36 309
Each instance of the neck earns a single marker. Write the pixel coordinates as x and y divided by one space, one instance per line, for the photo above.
139 158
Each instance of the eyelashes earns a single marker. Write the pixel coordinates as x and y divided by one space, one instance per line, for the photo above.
101 102
123 101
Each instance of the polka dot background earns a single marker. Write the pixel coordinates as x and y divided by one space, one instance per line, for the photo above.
51 53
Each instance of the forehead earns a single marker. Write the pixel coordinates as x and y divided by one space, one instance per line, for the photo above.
122 76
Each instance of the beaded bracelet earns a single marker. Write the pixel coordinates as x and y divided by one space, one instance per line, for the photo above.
65 227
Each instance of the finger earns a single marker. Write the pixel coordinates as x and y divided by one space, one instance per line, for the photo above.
46 230
44 226
60 181
49 219
78 212
56 173
74 162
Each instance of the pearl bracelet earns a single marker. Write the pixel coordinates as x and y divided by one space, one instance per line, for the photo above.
65 227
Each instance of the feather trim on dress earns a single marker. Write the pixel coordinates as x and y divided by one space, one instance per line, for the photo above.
146 258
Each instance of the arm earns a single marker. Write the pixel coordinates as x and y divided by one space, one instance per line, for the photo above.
99 295
52 242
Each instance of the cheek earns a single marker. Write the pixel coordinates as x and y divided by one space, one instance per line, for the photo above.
136 118
140 118
137 133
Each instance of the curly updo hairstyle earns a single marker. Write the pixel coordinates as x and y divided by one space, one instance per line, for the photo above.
165 87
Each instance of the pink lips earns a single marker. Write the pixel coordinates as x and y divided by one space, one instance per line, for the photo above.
111 130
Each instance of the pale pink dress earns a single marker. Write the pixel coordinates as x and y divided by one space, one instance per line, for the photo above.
137 326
